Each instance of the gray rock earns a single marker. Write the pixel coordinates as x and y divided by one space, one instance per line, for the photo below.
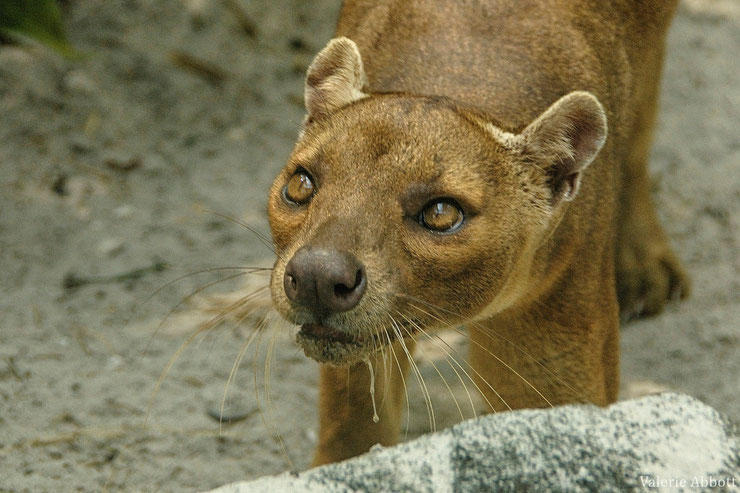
668 441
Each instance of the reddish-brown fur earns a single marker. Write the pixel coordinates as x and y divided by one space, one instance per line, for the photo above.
453 102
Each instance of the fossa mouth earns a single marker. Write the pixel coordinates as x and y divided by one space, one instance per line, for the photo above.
320 332
332 346
338 348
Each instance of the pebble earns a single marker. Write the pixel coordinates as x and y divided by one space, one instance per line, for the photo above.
234 410
110 247
81 144
114 362
121 161
124 211
199 10
78 81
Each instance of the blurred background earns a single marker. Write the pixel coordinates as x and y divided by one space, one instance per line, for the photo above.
129 141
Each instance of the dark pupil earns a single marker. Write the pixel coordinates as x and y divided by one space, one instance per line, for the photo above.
441 216
300 187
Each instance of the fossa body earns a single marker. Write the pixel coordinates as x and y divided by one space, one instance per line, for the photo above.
480 164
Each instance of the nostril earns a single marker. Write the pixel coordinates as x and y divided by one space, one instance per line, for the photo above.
341 290
290 284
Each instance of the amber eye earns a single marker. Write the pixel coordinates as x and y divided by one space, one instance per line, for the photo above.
442 216
300 188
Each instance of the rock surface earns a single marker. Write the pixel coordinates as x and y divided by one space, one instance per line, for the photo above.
666 441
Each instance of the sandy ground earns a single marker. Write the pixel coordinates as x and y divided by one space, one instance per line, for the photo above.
110 165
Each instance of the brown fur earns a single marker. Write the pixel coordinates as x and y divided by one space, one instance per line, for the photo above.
502 106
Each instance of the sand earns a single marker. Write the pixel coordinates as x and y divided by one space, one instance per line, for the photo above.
110 167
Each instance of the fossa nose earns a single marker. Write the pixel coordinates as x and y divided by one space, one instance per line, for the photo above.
324 280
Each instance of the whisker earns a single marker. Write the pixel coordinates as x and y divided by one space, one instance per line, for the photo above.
348 373
166 370
511 369
252 296
403 381
491 333
451 359
256 387
191 274
270 410
483 379
237 362
419 377
266 374
260 236
275 116
184 300
552 231
444 381
202 328
265 422
234 307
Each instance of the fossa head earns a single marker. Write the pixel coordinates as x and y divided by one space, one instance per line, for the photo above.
397 213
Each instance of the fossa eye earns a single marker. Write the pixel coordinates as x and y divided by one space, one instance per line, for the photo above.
442 216
300 188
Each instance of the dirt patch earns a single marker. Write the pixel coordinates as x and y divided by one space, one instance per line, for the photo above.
108 168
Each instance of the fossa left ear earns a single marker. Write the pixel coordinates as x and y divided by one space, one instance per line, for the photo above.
334 79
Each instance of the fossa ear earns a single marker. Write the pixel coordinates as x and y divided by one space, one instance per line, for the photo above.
564 140
334 79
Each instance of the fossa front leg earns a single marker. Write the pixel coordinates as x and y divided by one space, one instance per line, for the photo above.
347 407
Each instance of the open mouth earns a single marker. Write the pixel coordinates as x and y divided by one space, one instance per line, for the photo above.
326 334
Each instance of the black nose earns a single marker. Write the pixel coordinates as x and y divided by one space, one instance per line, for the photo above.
324 280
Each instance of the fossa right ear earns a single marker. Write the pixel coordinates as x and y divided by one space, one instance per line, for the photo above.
565 139
562 141
334 79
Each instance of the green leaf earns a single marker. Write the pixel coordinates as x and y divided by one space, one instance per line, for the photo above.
37 19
